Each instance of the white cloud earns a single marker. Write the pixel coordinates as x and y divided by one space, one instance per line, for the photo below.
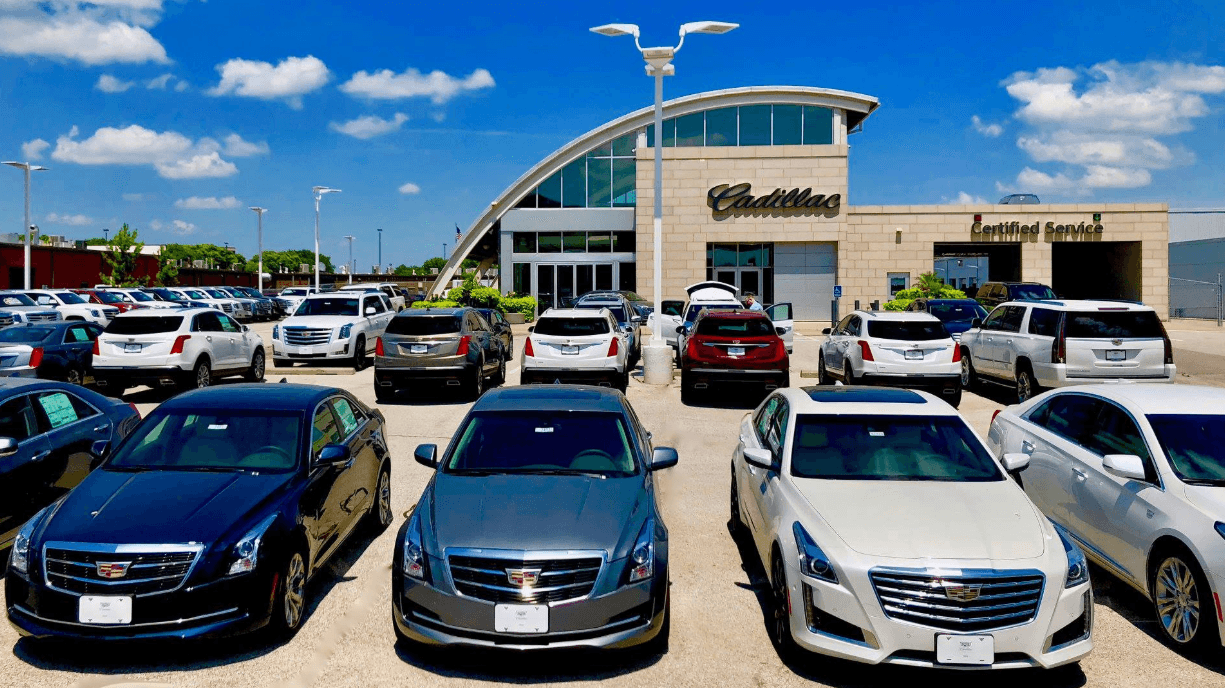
438 86
181 227
174 155
181 86
236 147
988 130
289 80
155 225
72 220
207 203
109 84
206 165
370 126
132 197
409 188
963 198
92 32
33 150
159 83
1030 180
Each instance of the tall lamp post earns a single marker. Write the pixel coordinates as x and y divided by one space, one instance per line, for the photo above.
106 231
657 358
319 191
380 231
25 228
260 213
352 266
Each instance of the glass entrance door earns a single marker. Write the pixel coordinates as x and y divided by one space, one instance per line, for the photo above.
557 286
747 280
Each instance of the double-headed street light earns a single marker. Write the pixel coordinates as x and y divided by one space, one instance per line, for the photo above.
25 228
657 360
260 212
319 191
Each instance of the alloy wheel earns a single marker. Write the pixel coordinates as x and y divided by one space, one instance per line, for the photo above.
74 376
849 374
384 505
295 591
1025 386
782 615
1177 598
204 376
966 372
257 366
821 374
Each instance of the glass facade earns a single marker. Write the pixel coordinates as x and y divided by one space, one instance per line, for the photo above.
573 242
603 178
749 125
748 267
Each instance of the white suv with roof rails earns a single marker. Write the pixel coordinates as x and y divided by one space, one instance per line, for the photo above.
334 326
72 306
891 535
1041 344
893 349
389 289
577 346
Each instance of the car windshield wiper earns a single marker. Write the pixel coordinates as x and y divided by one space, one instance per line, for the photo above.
1207 482
564 471
206 469
130 469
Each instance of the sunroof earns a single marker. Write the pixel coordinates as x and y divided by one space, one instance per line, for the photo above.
862 395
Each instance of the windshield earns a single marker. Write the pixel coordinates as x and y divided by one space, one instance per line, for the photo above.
193 294
1193 445
543 442
212 440
907 331
419 325
111 297
692 314
147 325
617 310
1031 292
571 327
170 295
16 300
882 447
328 305
1115 325
69 297
217 294
290 291
139 296
736 327
957 312
25 335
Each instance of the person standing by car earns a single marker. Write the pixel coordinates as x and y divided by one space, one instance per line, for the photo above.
750 302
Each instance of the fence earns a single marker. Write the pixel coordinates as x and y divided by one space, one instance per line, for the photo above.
1195 299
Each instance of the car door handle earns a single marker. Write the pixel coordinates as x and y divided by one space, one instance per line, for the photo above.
208 338
100 428
1027 447
41 455
1078 474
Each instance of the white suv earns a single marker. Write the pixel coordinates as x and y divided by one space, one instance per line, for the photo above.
1136 473
333 326
226 305
1037 344
189 347
390 289
892 349
71 306
579 346
891 535
294 296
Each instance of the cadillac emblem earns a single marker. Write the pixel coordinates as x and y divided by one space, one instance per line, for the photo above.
962 593
524 578
113 569
1117 342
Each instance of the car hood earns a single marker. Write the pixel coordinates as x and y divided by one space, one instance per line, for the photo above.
1208 499
533 512
120 507
319 320
929 520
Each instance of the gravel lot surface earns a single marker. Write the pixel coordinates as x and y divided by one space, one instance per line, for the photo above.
719 635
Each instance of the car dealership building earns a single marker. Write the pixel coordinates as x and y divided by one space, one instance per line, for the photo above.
756 194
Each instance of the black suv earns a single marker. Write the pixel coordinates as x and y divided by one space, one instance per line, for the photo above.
993 294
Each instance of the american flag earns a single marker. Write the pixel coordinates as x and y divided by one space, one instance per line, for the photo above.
458 234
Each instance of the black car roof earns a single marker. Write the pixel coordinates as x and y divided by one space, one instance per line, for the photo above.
450 310
551 398
279 397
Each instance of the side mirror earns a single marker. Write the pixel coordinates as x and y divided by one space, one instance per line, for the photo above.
246 328
1127 466
100 448
8 446
426 455
826 330
369 310
680 329
1015 463
976 323
761 458
663 457
780 331
333 456
638 319
532 328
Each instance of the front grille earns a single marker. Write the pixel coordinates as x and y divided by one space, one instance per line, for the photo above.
560 580
148 573
227 307
964 603
110 312
299 336
43 317
6 320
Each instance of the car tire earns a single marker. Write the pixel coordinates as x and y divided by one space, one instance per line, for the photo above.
1027 387
969 379
359 353
848 374
1175 580
499 378
780 618
955 400
822 373
281 363
735 522
289 607
74 376
380 515
476 387
384 395
201 376
623 382
688 393
256 372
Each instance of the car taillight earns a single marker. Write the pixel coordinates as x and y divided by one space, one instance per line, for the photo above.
865 351
134 410
691 348
994 414
178 343
36 356
464 342
956 353
614 347
378 347
97 351
1059 347
527 348
1169 346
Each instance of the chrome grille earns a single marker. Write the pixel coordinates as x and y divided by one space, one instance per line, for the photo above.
110 312
227 307
42 317
973 601
75 570
6 320
306 336
560 580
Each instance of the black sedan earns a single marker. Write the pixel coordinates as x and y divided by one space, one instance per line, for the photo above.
51 436
52 351
208 520
501 330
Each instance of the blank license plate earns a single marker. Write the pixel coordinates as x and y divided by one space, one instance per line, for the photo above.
914 355
570 349
114 611
131 348
735 351
521 618
1116 355
418 349
965 649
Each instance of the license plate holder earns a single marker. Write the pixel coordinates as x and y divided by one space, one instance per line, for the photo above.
521 618
973 650
735 351
418 348
569 349
131 348
1116 355
914 355
104 610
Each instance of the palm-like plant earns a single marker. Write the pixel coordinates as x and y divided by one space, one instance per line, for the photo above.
930 283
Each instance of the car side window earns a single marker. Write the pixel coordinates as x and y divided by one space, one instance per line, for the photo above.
76 334
1013 316
778 428
1071 416
227 323
1043 322
994 319
348 416
854 328
391 294
57 409
325 430
207 322
762 421
17 419
1117 433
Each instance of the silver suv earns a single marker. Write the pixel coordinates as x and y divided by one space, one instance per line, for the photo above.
1042 344
455 346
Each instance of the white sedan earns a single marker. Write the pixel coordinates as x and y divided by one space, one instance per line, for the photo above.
891 535
1136 473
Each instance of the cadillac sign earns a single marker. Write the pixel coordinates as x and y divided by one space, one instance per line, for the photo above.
726 198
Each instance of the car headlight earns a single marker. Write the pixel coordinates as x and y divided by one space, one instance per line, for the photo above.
276 331
642 557
19 558
246 550
413 555
813 561
95 313
345 331
1078 567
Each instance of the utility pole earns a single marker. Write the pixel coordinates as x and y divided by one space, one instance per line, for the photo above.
352 266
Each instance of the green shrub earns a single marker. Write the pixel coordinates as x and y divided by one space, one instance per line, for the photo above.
897 304
520 304
484 297
444 303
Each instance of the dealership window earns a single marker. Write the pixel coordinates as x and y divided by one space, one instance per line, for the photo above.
721 127
818 125
624 181
755 125
691 129
549 191
548 242
629 277
574 242
528 201
898 281
525 242
522 282
788 125
599 242
599 182
574 184
624 242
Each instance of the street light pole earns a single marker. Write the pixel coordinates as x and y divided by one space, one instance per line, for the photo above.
380 230
25 228
319 191
352 266
260 213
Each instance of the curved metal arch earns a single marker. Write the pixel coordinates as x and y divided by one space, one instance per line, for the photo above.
856 105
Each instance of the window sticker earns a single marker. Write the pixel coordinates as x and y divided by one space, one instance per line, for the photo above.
347 419
58 408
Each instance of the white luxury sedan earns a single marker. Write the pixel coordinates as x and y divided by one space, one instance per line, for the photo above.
890 535
1136 473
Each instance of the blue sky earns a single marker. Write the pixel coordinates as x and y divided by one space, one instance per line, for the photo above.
175 115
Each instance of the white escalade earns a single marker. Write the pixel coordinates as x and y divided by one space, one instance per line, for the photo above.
71 306
188 347
331 327
1035 345
579 346
390 289
295 295
891 535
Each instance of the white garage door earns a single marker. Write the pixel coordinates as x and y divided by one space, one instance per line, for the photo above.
805 274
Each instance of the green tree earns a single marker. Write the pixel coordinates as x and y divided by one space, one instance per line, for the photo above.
274 261
930 283
168 274
402 270
212 254
436 262
123 249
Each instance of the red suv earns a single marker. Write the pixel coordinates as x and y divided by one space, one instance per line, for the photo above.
732 347
109 298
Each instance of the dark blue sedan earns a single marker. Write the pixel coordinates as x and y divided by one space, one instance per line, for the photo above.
52 351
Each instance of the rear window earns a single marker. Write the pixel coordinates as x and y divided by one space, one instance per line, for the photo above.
956 312
695 309
571 327
146 325
735 327
1031 292
22 335
421 325
1044 322
617 311
1114 325
111 297
906 331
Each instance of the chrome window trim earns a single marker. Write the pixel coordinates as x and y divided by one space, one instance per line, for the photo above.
122 549
519 555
